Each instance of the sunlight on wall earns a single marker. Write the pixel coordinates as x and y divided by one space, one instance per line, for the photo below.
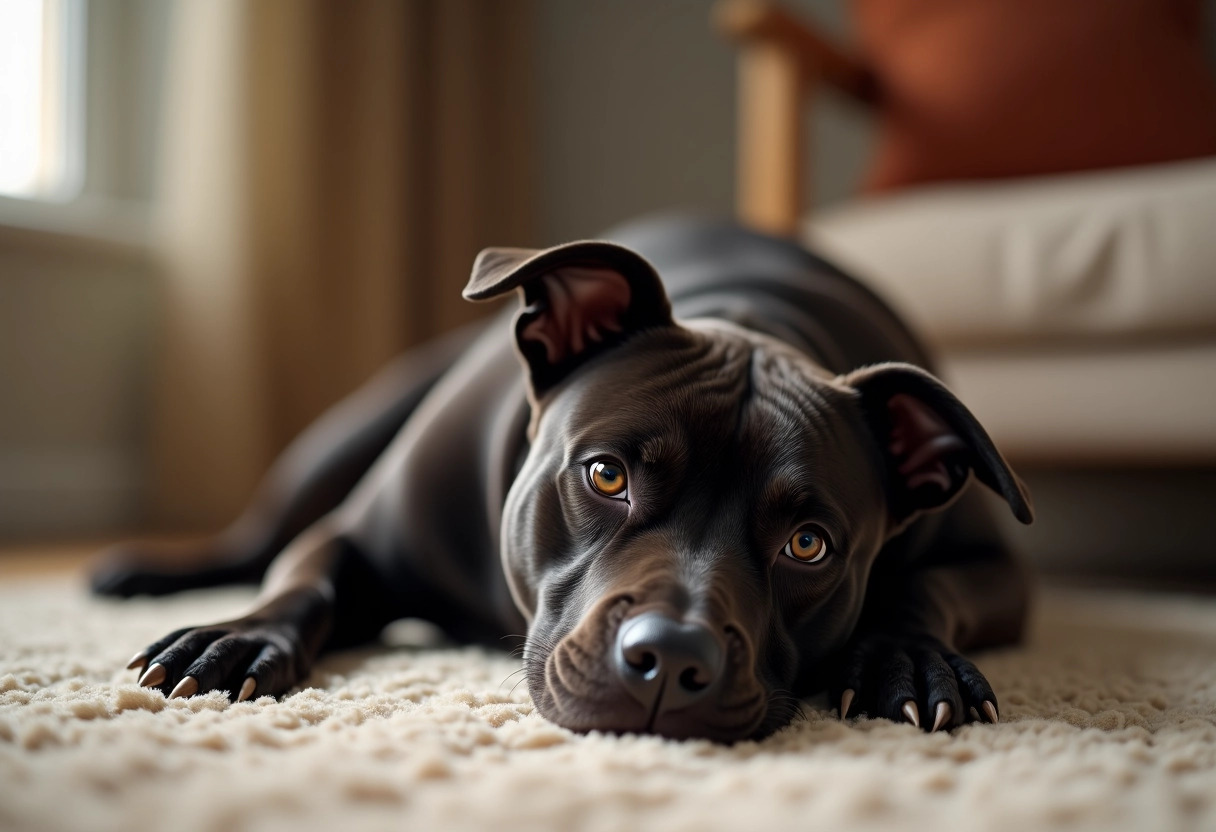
21 82
41 53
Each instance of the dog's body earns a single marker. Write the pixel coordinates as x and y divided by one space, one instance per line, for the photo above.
693 521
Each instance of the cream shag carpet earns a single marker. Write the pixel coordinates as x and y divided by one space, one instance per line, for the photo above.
1109 721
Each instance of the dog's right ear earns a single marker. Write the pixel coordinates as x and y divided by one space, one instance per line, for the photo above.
577 301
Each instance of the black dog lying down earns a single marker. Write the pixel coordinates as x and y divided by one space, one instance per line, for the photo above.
695 519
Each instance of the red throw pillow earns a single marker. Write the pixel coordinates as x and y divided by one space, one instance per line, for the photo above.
977 89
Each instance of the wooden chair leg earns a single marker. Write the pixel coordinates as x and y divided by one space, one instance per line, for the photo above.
772 89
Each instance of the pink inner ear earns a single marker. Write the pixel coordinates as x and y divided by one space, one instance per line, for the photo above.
920 441
583 304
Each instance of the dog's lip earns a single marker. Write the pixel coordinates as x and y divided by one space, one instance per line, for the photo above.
675 725
682 724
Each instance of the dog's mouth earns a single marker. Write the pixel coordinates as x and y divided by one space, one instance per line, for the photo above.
631 670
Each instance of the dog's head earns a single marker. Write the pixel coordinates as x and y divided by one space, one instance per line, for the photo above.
697 516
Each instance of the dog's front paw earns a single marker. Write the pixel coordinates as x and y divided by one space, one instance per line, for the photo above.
245 657
912 679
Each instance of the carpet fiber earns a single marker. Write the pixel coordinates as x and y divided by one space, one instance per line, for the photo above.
1109 721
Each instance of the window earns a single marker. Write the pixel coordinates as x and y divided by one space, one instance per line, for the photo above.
41 98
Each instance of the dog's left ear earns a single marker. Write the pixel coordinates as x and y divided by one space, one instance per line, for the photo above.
931 442
577 300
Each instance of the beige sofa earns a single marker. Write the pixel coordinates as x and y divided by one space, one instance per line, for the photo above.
1075 314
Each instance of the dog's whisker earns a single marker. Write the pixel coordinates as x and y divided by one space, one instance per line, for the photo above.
786 704
519 682
507 678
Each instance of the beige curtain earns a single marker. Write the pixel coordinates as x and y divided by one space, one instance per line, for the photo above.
329 170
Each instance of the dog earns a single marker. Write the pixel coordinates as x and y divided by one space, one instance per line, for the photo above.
705 497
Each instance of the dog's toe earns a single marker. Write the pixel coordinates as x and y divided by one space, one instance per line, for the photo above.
974 688
938 687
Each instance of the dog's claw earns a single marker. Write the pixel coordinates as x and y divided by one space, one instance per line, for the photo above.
990 712
185 688
846 699
139 660
944 712
911 714
247 689
153 676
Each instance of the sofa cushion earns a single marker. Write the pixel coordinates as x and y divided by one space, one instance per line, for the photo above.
1028 87
1083 256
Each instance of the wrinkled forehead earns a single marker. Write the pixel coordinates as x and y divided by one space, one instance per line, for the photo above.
794 408
672 387
806 445
753 401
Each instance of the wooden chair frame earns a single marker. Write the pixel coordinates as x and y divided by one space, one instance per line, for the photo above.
783 62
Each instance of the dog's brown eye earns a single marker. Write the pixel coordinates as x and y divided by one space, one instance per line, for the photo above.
608 478
807 545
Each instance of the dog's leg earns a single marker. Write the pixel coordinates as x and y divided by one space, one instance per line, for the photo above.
321 591
904 661
309 480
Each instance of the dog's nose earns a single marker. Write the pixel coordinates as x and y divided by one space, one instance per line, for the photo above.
657 656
